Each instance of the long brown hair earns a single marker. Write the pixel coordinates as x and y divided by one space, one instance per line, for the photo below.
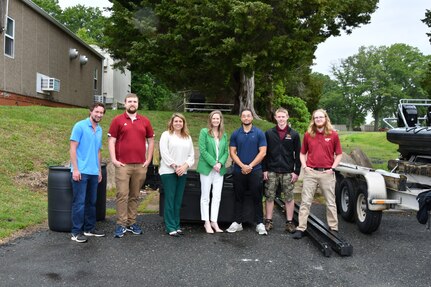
184 131
312 129
220 127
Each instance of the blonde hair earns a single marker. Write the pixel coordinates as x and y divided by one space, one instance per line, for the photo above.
281 110
312 129
184 131
220 127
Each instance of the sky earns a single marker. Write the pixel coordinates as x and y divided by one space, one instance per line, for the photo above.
395 21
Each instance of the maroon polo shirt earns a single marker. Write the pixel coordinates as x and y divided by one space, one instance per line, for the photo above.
282 132
320 149
131 137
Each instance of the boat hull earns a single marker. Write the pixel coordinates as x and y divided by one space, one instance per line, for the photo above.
411 141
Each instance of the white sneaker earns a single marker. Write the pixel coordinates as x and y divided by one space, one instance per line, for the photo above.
234 227
260 228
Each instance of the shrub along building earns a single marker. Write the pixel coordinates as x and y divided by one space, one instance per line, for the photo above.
44 63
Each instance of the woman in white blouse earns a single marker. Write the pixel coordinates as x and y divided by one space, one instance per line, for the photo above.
177 155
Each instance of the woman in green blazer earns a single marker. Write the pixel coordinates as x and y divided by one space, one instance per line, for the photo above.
213 148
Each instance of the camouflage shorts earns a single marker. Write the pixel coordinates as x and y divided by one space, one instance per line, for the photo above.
276 180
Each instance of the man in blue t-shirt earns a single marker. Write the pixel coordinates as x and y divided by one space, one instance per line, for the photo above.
247 149
85 145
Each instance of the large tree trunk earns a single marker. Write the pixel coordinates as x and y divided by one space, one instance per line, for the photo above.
349 123
246 93
376 121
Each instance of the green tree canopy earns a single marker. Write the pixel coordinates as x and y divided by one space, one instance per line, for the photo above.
222 44
376 78
50 6
331 100
86 22
152 95
88 19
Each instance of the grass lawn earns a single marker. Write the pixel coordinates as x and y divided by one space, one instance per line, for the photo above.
374 144
34 138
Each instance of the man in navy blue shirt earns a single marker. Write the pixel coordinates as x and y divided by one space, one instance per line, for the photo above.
247 149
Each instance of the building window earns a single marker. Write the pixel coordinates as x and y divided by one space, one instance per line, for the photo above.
95 77
9 38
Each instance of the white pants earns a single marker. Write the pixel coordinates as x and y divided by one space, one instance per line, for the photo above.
216 180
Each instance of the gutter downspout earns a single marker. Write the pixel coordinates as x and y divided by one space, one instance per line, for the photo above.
3 27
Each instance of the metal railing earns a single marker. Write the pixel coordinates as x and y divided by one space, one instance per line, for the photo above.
205 107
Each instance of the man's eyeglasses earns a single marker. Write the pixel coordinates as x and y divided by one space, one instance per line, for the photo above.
321 117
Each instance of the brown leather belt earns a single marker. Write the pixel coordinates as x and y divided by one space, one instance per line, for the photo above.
320 168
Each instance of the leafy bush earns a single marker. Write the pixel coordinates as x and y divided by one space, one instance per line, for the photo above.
152 94
299 117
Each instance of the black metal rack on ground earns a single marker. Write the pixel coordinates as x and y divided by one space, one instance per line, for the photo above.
321 235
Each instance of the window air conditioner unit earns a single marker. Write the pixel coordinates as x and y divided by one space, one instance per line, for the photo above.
99 98
51 84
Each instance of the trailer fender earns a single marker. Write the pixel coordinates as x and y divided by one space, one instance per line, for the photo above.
376 189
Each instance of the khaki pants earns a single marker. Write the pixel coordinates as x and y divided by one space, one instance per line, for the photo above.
128 180
326 182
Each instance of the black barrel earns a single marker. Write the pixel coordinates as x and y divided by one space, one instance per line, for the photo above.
60 198
101 196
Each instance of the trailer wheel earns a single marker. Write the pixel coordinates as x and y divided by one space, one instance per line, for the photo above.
339 178
367 220
345 198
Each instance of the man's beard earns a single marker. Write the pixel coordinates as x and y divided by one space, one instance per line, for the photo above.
246 124
96 120
131 111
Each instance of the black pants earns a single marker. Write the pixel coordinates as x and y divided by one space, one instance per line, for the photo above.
251 184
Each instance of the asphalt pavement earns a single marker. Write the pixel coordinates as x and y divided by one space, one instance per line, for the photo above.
398 254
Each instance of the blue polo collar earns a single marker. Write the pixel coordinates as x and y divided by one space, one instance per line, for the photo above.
251 131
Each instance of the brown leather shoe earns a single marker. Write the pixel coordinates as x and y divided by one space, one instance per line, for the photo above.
290 227
268 224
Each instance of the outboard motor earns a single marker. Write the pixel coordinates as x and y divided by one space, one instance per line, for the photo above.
410 114
412 138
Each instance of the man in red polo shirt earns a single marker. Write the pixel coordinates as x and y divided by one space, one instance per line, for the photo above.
128 137
320 153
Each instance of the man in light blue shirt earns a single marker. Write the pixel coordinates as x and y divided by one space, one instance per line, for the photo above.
85 158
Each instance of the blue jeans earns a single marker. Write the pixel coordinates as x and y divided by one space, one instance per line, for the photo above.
84 203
